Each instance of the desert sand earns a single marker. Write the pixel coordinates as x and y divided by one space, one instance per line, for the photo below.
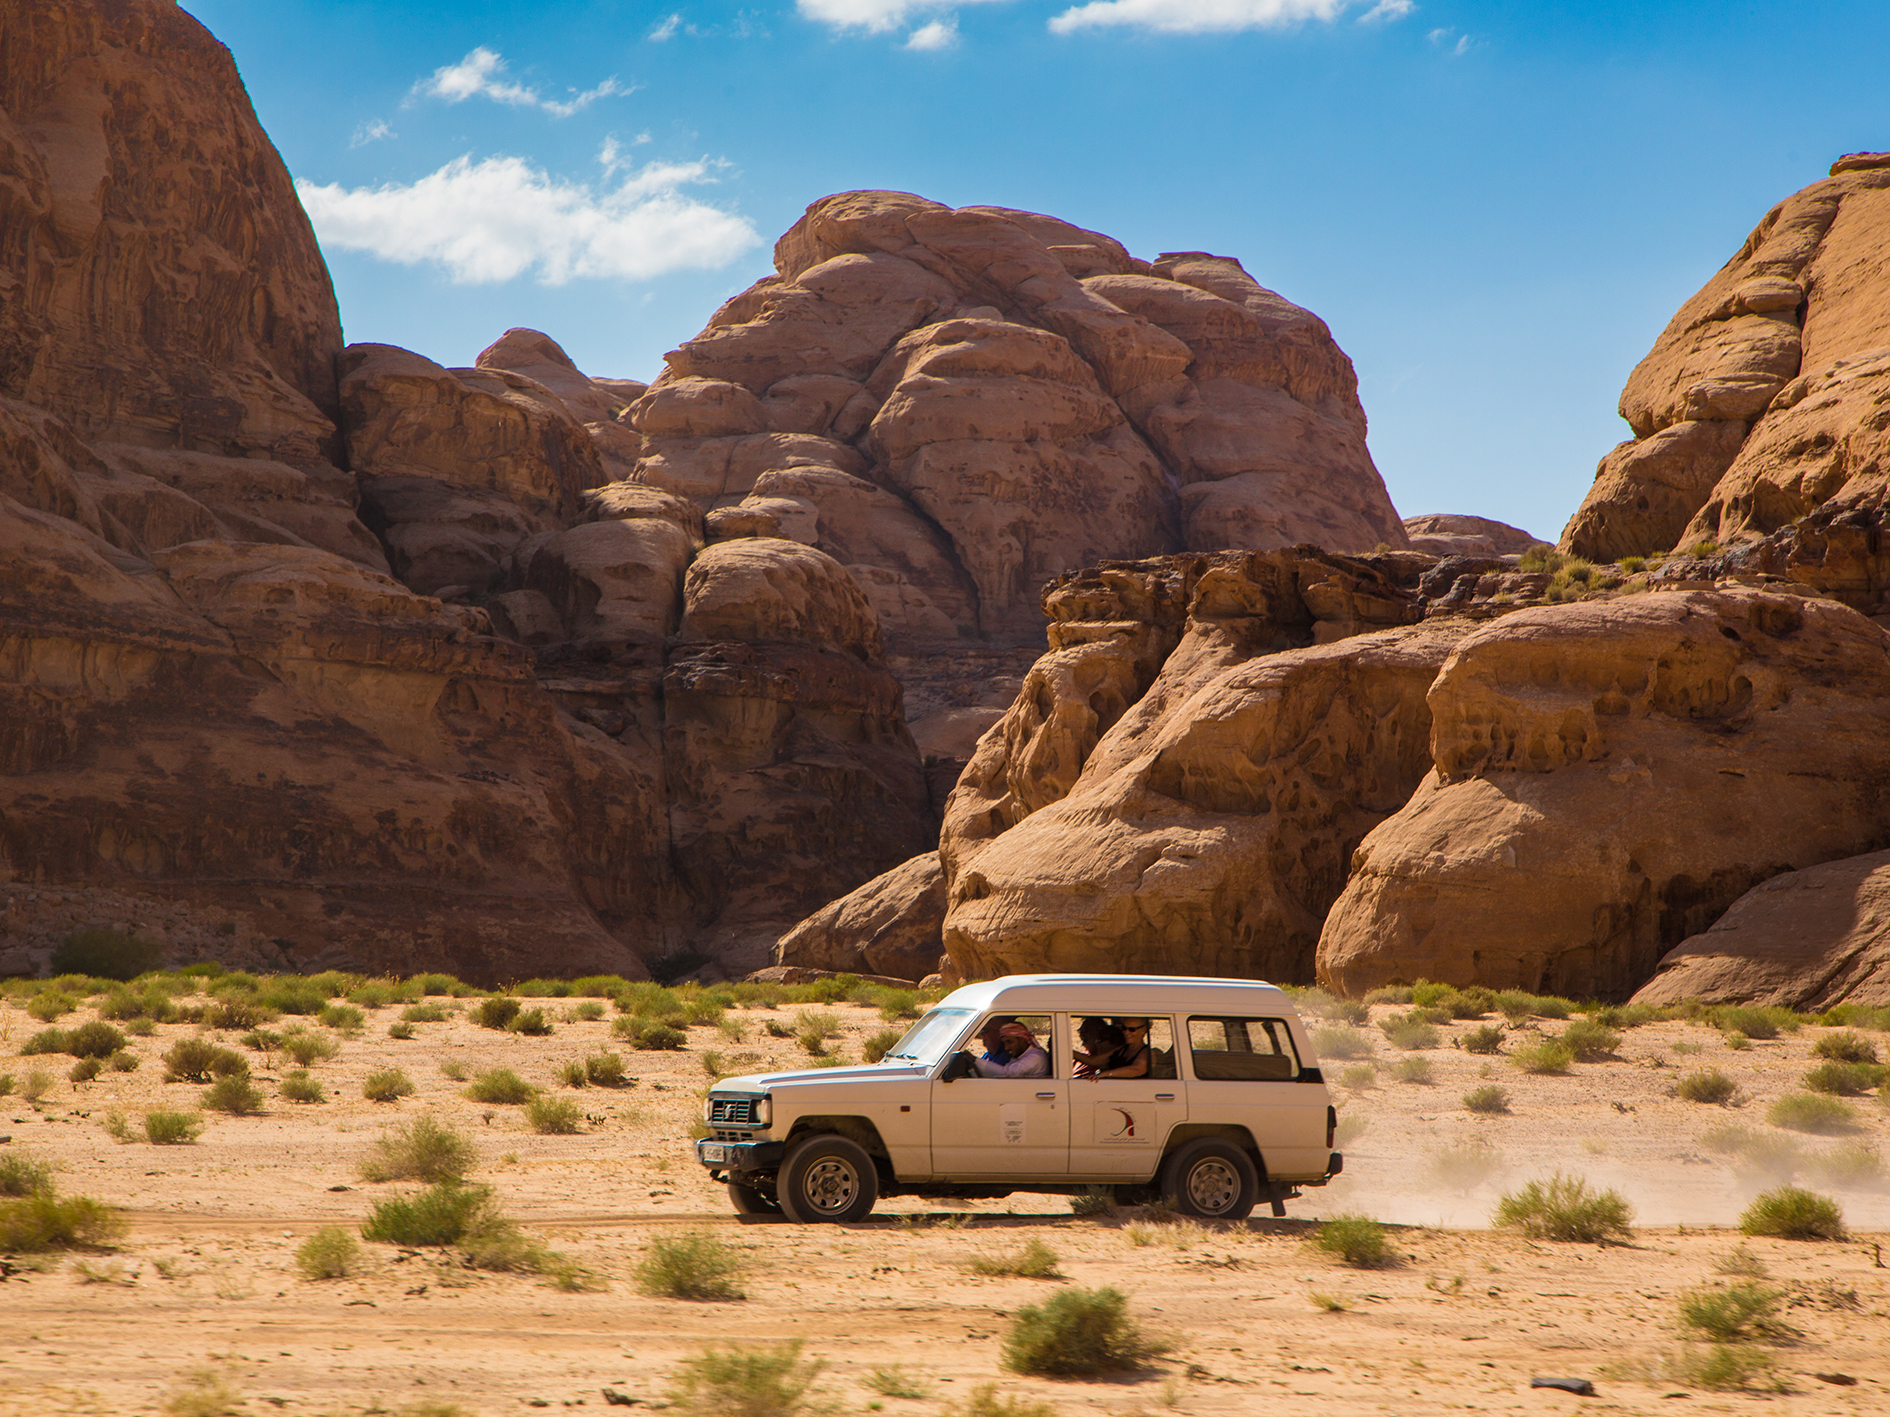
205 1278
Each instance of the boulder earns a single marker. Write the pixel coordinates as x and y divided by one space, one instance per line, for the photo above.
1608 777
1806 940
890 926
542 359
1451 534
760 589
613 584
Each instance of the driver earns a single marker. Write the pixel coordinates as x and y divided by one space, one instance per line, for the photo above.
1016 1045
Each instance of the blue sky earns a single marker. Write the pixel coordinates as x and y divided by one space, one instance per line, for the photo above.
1495 206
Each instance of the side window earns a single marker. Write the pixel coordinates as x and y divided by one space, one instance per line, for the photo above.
1161 1048
1242 1050
1041 1037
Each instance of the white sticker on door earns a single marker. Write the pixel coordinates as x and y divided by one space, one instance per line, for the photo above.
1117 1125
1011 1123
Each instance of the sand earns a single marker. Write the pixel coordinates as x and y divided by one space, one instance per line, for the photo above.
205 1280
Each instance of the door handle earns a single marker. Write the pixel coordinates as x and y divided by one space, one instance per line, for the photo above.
1047 1096
1164 1097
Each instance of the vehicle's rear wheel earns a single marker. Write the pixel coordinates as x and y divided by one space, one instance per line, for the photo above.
1212 1180
828 1179
747 1200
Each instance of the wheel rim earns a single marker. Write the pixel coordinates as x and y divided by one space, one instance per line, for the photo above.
1213 1186
830 1185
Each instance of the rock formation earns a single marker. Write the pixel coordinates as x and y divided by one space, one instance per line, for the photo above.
1447 534
1608 778
1763 400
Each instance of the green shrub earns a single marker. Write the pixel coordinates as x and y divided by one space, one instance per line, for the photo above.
1789 1213
553 1116
1350 1011
84 1070
896 1004
747 1382
497 1011
1032 1260
96 1039
6 1084
1739 1311
172 1128
344 1018
106 954
47 1040
1412 1070
261 1040
1356 1240
442 984
694 1265
501 1085
1726 1367
400 1029
424 1013
1485 1038
37 1084
1846 1047
1842 1079
234 1094
590 1011
985 1402
1359 1076
1341 1043
126 1004
1708 1085
1590 1041
877 1046
21 1175
1563 1208
1812 1112
1852 1166
198 1059
372 995
604 1070
1409 1033
309 1048
572 1075
48 1005
531 1022
1488 1101
236 1013
652 1037
896 1382
1077 1333
387 1085
443 1214
1752 1022
421 1150
1093 1202
1391 994
45 1221
330 1253
298 1086
1551 1055
1761 1153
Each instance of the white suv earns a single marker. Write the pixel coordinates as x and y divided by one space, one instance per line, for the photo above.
1230 1109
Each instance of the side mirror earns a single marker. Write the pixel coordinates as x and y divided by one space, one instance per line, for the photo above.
959 1065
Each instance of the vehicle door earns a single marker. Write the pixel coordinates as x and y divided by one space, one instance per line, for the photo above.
1245 1072
1006 1128
1118 1125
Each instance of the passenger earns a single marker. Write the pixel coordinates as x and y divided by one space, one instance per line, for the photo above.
1136 1056
1102 1049
1025 1058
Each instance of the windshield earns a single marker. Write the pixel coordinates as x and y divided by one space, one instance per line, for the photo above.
927 1040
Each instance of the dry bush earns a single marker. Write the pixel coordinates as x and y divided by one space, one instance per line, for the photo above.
1812 1112
1789 1213
1412 1070
1737 1312
1487 1101
1849 1046
22 1175
308 1048
298 1086
1034 1260
1852 1166
747 1382
501 1085
1077 1333
1708 1085
1410 1033
1564 1208
172 1128
387 1085
198 1059
422 1150
694 1265
1357 1240
330 1253
236 1095
1590 1040
1485 1038
1839 1079
553 1116
46 1221
1549 1056
1341 1043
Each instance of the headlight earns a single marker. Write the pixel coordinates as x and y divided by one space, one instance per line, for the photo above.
764 1111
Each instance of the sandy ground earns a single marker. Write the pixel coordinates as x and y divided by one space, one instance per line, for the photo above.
206 1280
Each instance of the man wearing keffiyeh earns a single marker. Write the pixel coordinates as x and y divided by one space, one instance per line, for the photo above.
1026 1058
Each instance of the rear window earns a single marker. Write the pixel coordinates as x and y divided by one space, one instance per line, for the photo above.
1242 1050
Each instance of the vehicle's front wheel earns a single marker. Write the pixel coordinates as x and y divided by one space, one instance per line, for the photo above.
1211 1179
747 1200
828 1179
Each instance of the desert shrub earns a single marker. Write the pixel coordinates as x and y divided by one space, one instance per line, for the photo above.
532 1023
1341 1043
1351 1011
454 1069
1352 1126
172 1128
37 1084
1485 1038
553 1116
1551 1055
309 1048
1812 1112
1412 1070
343 1018
1391 994
1359 1076
21 1175
876 1047
95 1039
198 1059
985 1402
650 1037
896 1004
1357 1240
1032 1260
1726 1367
1487 1101
694 1265
774 1028
1409 1032
817 1022
400 1029
1755 1152
572 1075
330 1253
234 1094
590 1011
747 1382
285 994
140 1027
604 1070
1852 1167
1751 1022
1736 1312
1846 1047
1708 1085
543 989
261 1040
84 1070
387 1085
1790 1213
444 984
897 1382
45 1221
49 1004
236 1013
1464 1167
1093 1202
6 1084
421 1150
1437 1015
47 1040
1841 1079
1077 1333
372 995
298 1086
153 1002
106 954
443 1214
424 1013
501 1085
498 1011
1590 1040
1564 1208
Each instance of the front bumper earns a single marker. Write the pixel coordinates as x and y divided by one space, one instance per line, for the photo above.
741 1157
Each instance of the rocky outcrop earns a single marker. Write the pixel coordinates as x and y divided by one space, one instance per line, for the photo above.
1448 534
893 926
1806 940
1608 778
1764 398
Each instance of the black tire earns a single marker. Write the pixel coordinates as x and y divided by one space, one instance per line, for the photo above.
827 1180
749 1201
1211 1180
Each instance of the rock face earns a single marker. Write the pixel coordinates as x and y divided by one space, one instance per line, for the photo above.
1765 398
1805 940
1608 778
893 925
1447 534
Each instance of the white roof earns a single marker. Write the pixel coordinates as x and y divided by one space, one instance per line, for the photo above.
1118 994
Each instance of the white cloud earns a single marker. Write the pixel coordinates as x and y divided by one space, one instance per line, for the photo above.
939 34
1194 16
371 132
880 16
479 75
502 218
1441 38
667 30
1386 11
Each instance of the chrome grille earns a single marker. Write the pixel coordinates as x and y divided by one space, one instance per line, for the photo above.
732 1111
